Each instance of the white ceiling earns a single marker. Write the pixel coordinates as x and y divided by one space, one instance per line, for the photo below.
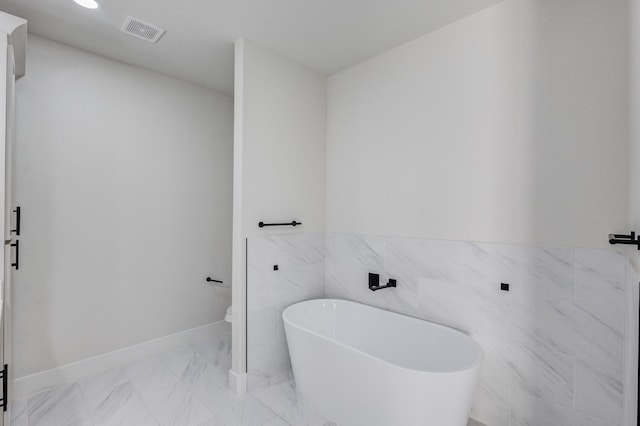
326 35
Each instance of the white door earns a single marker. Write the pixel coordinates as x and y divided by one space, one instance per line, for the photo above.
7 85
13 220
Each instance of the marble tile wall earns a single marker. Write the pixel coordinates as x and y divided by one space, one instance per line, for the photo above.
553 344
300 276
631 341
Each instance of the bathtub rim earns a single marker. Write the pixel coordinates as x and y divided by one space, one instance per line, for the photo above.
476 364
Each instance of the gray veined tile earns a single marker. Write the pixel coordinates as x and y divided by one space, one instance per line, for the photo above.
175 405
527 411
212 422
19 414
452 261
300 274
491 405
495 369
306 248
267 362
599 394
631 327
283 399
600 276
276 421
539 271
314 277
178 359
122 407
543 373
203 378
61 406
264 326
96 389
150 373
595 342
491 402
232 410
293 283
300 259
475 308
562 326
262 293
292 252
217 351
537 322
361 251
193 369
269 289
533 412
199 375
262 252
351 283
336 287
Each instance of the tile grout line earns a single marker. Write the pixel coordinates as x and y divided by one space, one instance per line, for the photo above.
139 392
84 399
189 388
139 395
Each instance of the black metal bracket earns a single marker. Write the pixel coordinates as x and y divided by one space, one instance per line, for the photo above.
625 239
374 282
211 280
292 223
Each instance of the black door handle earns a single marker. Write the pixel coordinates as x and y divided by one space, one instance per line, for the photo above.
17 230
16 264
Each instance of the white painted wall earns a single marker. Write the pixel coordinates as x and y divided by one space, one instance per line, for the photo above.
507 126
633 267
124 178
634 111
284 118
280 126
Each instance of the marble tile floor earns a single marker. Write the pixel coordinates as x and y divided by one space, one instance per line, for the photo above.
183 386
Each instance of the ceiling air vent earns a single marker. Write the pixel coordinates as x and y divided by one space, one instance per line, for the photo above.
144 30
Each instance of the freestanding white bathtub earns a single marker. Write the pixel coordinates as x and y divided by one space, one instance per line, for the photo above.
363 366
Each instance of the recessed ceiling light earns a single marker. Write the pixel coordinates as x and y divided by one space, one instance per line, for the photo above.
89 4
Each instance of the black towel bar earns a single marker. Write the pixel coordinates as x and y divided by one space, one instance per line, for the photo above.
293 223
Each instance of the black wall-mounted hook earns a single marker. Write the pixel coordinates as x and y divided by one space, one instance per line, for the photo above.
211 280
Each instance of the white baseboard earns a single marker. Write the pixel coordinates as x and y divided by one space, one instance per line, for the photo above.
70 373
238 383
